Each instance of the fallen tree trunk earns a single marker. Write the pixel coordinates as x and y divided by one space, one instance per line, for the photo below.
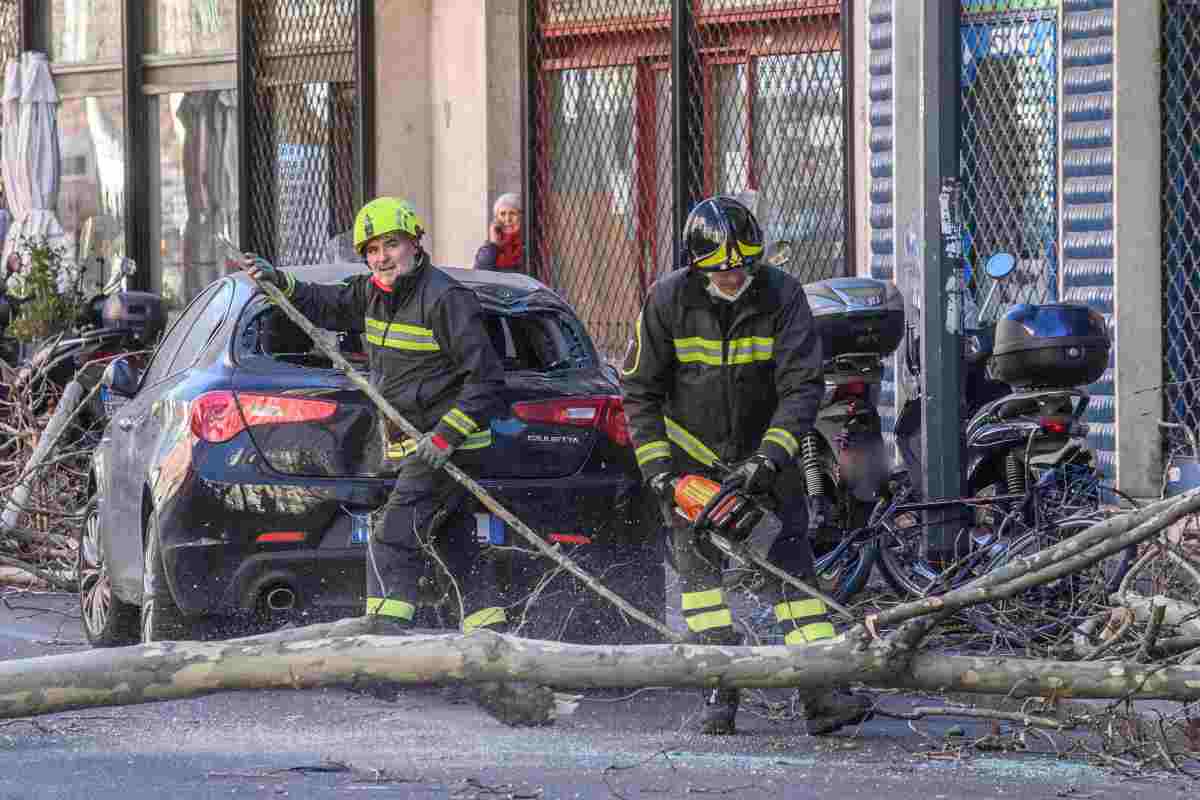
176 670
346 652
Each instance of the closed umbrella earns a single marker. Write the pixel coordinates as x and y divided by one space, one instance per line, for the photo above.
31 157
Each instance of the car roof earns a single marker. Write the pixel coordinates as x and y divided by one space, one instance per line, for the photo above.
472 278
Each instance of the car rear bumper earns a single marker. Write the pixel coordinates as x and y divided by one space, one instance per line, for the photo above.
220 567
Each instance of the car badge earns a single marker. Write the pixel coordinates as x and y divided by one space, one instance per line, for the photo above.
872 300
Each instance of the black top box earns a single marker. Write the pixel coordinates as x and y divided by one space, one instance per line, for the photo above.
1057 345
856 315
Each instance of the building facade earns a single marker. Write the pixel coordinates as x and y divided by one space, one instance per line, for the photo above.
269 121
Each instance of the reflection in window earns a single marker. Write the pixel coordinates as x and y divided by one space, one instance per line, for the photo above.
85 30
185 27
91 195
197 183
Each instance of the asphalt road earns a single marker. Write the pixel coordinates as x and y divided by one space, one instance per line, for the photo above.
429 743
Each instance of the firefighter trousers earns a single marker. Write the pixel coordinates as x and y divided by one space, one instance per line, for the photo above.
428 517
798 617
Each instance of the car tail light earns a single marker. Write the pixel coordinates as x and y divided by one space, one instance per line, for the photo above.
277 537
604 413
845 391
1055 426
221 415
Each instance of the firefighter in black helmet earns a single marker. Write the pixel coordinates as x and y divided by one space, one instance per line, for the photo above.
725 371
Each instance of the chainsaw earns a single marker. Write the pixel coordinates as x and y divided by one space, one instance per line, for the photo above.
728 513
726 517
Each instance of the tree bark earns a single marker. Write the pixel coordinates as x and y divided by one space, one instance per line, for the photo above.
176 670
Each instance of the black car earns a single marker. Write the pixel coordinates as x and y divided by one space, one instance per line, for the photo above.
239 472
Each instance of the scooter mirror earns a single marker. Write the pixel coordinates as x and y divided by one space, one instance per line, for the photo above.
779 253
1000 265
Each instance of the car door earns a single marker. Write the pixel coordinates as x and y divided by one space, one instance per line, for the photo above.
136 429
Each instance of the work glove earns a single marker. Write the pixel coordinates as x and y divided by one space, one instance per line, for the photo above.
663 486
262 270
756 475
434 450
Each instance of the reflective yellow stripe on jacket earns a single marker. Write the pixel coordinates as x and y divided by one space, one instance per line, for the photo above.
400 336
406 447
689 443
747 350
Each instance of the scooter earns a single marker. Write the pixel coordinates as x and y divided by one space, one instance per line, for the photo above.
115 321
1026 400
860 322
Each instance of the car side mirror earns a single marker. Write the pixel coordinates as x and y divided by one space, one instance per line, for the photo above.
120 378
1000 265
779 253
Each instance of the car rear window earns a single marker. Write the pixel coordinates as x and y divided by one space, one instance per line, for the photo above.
538 341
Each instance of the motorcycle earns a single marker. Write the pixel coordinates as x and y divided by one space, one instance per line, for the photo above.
843 459
1025 402
65 370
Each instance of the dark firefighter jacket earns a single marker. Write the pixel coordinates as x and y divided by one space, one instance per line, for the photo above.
721 380
429 354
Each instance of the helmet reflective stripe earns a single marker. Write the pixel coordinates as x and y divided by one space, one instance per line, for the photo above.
722 234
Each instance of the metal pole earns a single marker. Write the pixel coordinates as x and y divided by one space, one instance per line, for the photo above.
530 142
137 178
849 213
364 79
941 352
686 116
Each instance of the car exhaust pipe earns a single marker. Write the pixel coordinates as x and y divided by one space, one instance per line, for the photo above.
281 598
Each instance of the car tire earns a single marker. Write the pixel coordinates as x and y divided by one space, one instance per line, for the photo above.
162 621
107 620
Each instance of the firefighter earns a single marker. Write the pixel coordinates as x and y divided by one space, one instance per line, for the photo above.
431 357
722 379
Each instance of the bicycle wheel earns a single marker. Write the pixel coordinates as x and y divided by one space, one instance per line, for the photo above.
1046 616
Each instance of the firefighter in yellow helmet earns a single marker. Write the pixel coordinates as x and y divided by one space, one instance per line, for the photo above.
725 372
431 358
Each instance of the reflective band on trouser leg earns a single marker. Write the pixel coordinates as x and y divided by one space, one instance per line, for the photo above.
651 451
390 608
706 610
484 617
809 620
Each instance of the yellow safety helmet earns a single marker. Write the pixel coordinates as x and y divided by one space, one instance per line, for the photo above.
385 215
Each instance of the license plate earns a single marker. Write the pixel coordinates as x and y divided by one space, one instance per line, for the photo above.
489 529
360 528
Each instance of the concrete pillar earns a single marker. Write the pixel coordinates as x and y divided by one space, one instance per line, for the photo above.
1138 275
895 145
448 111
403 109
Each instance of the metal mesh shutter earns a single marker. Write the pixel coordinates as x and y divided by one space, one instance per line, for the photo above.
765 113
301 126
1181 209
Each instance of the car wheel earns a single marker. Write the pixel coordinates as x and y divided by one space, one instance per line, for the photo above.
161 618
108 621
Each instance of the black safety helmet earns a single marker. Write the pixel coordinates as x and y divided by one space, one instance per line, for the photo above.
722 234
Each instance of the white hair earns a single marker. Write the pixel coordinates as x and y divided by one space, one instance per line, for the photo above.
507 200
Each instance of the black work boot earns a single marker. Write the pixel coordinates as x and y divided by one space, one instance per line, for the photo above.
720 711
828 710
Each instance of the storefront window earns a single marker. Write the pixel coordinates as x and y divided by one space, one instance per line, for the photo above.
197 184
91 195
189 27
85 30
